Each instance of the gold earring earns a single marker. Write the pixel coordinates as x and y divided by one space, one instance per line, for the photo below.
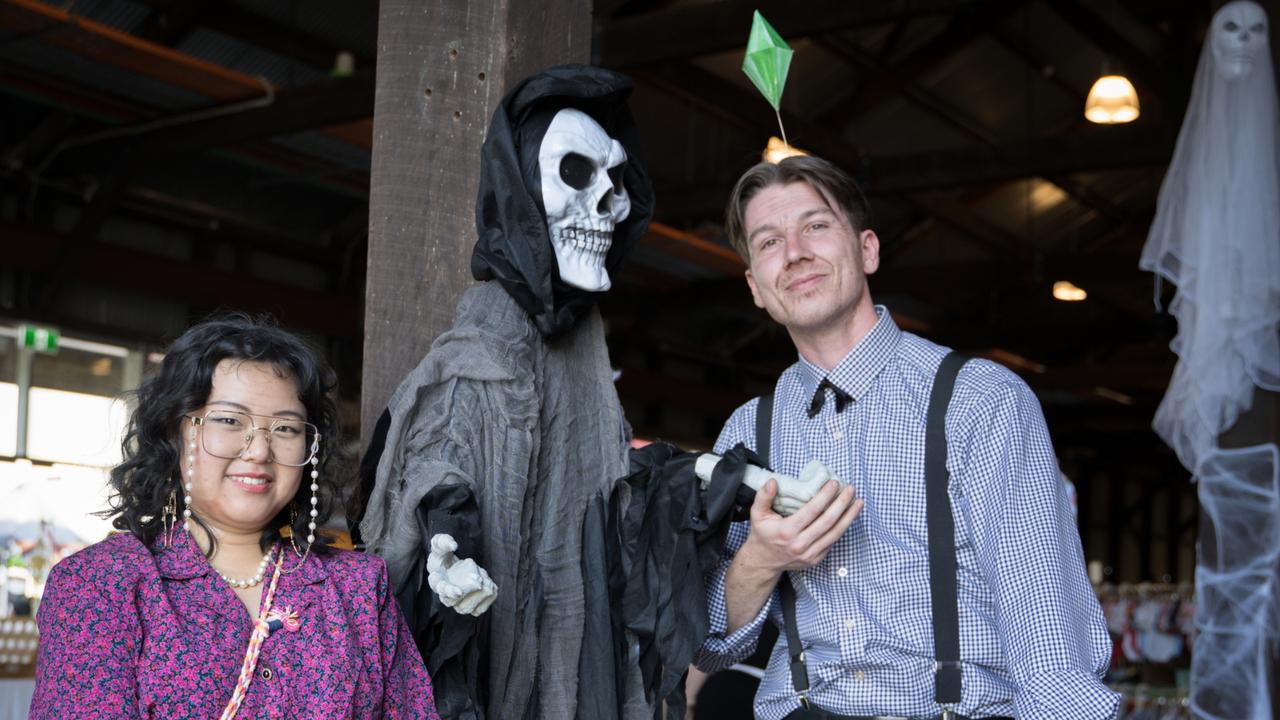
169 517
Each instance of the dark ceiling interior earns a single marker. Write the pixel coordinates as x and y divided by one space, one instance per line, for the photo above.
162 159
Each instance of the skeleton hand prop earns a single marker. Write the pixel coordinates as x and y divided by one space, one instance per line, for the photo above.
793 492
461 584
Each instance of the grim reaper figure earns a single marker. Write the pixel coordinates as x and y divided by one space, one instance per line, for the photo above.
1216 236
511 423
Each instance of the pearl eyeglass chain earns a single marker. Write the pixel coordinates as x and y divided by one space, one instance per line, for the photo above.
315 491
191 473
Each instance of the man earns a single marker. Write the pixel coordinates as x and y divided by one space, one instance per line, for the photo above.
1032 639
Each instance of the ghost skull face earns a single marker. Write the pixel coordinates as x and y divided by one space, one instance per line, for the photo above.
1239 38
581 169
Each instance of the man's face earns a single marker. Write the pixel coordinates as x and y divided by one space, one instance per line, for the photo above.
808 266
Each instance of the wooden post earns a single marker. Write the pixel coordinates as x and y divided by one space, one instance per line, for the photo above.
442 68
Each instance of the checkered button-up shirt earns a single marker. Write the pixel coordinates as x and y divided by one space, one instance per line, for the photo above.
1033 642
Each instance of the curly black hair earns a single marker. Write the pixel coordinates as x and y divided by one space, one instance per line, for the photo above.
150 473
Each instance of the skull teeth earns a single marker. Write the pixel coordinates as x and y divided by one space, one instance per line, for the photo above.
586 240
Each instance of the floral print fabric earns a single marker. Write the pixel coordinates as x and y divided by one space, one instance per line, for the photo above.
132 632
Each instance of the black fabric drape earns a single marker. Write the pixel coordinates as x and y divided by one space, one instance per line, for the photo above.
457 673
662 535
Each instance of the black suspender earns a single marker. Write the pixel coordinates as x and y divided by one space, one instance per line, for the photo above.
799 675
942 544
942 538
764 426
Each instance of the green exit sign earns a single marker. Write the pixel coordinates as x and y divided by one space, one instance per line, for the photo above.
40 339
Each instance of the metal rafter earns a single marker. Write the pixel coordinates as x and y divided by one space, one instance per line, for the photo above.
963 29
684 30
172 18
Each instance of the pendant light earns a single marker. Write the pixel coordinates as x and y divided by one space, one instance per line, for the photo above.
1112 100
777 150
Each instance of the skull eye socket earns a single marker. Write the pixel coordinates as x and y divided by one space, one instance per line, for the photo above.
615 176
1231 26
576 171
1258 28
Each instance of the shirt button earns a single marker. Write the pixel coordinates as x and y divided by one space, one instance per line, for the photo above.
860 676
848 624
266 673
842 572
837 435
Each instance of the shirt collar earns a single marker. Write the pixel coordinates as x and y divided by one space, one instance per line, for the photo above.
181 559
855 373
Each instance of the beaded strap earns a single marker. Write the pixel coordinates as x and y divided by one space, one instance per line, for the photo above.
260 631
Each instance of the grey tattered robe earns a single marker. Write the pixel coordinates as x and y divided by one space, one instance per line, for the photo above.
535 429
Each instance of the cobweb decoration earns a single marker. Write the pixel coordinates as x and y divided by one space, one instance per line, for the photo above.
1237 593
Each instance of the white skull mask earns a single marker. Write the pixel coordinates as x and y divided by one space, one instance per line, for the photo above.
1239 38
582 192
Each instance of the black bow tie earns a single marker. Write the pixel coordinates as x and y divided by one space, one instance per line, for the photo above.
842 398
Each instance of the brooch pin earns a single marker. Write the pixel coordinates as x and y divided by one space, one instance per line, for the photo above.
287 619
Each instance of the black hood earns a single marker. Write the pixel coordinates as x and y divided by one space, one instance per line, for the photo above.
513 245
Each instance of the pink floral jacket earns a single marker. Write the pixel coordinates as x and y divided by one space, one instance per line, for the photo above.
132 632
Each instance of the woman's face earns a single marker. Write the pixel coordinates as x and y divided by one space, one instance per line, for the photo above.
243 494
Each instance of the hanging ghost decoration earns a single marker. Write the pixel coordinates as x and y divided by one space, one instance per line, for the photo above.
1216 237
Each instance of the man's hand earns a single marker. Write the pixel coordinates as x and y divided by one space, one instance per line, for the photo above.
461 584
777 544
803 539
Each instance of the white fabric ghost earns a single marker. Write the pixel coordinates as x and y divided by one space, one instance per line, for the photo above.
583 195
1216 236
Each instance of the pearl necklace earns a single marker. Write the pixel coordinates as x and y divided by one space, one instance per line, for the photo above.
257 577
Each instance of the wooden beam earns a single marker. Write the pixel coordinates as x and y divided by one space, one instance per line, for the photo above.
104 44
1009 272
888 81
1101 149
957 117
646 386
694 249
690 30
171 21
330 102
442 68
36 249
717 96
91 103
173 18
1140 68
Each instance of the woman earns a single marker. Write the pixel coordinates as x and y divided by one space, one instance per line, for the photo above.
203 608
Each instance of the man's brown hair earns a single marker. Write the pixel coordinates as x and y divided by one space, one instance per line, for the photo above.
832 183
